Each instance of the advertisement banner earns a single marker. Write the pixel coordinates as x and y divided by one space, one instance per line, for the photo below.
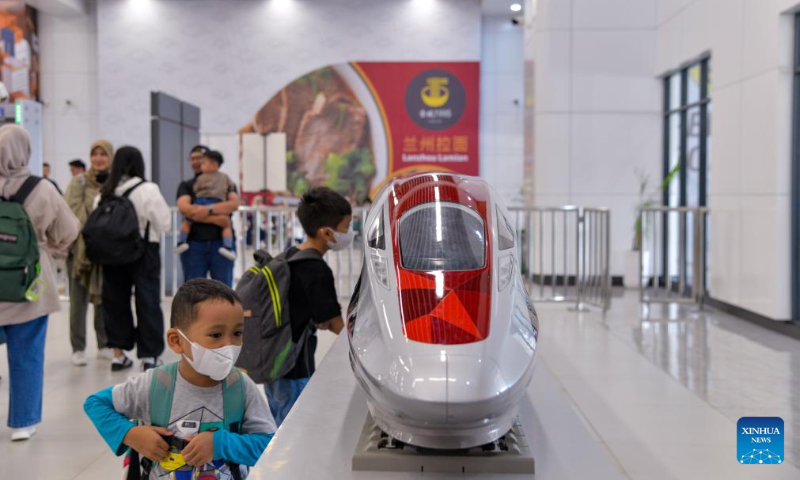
429 113
353 126
19 51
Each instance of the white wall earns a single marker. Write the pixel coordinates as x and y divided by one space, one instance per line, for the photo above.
751 45
68 55
501 114
598 103
597 107
230 56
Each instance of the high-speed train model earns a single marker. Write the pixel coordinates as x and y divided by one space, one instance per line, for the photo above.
442 332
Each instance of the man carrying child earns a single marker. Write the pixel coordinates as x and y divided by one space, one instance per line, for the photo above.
203 257
210 187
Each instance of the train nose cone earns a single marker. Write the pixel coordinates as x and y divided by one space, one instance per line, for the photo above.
477 389
422 381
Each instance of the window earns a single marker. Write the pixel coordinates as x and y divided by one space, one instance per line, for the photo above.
505 234
442 236
376 237
687 111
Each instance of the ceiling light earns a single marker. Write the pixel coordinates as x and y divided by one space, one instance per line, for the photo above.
516 7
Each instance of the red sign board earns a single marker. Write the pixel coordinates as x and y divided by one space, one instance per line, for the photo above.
429 112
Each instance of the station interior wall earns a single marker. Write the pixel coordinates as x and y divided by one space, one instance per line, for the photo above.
598 96
599 103
227 57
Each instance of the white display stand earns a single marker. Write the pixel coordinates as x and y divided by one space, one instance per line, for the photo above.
264 162
318 437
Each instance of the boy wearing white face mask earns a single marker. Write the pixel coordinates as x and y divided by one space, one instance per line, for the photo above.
200 415
313 304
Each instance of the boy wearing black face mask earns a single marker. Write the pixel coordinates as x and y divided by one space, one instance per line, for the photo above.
325 216
201 415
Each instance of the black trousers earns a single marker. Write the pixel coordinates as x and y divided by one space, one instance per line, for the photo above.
144 277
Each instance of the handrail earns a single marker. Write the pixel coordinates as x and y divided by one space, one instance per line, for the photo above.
665 277
564 252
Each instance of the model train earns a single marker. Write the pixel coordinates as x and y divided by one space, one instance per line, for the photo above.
442 333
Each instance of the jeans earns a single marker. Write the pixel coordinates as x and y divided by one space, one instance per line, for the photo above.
203 258
282 394
26 371
144 277
78 307
206 201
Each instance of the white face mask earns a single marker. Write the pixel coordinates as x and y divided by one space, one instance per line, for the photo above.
216 363
343 240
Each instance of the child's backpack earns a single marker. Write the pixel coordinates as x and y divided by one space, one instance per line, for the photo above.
111 232
19 246
162 389
268 352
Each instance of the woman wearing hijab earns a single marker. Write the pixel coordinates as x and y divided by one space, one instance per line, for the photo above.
25 323
85 278
127 173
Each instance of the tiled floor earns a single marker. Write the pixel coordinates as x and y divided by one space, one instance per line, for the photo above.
663 391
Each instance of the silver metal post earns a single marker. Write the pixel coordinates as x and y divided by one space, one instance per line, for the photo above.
257 229
700 259
564 233
281 232
578 260
607 272
163 271
596 255
654 262
175 223
553 252
642 225
541 253
682 254
350 265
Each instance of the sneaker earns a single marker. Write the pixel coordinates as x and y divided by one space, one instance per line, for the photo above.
150 362
22 434
229 254
182 247
106 353
121 363
78 359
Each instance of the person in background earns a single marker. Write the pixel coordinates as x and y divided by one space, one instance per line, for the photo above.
85 278
46 175
24 324
205 238
77 167
313 303
143 275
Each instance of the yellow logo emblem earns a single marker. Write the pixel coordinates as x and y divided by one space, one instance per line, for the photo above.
435 94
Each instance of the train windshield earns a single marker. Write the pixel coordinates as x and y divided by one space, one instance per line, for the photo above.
442 236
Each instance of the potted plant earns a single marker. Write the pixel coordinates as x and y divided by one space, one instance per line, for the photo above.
646 200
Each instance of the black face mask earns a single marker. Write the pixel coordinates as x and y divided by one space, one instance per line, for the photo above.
102 176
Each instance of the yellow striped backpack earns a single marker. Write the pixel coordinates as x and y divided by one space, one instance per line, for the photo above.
268 352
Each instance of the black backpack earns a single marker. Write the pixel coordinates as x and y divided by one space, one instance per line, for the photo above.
111 232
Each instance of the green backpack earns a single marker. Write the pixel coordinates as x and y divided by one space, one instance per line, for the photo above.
162 389
19 247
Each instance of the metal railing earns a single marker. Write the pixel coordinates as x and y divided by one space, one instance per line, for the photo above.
672 262
274 229
565 253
